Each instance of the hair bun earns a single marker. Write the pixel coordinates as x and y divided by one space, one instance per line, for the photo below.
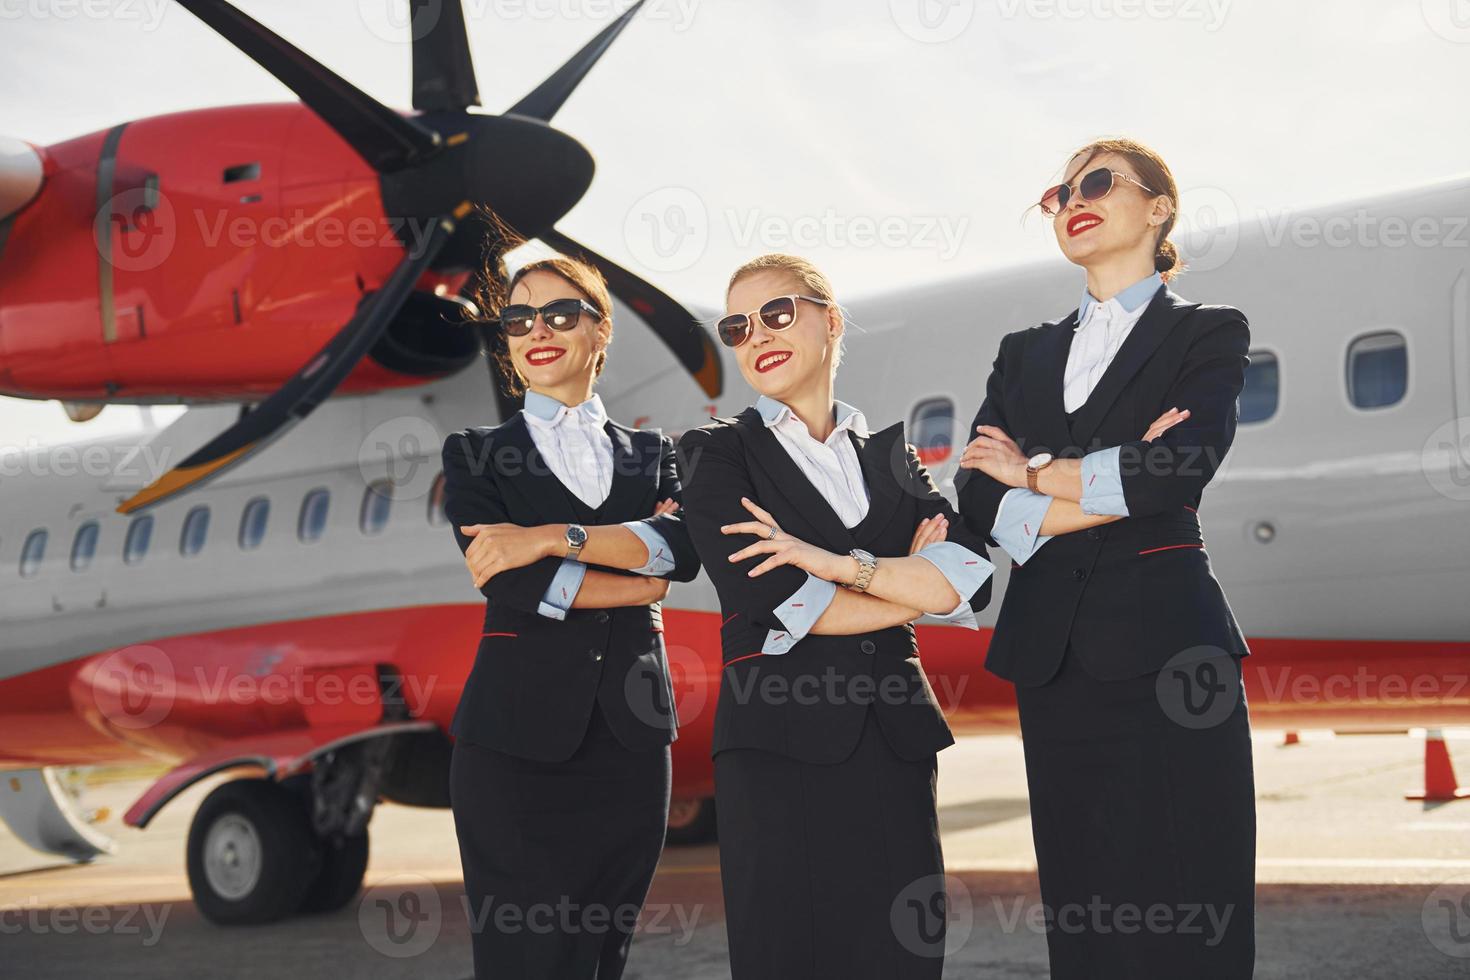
1167 257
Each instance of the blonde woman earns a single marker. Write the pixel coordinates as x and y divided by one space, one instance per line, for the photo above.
825 540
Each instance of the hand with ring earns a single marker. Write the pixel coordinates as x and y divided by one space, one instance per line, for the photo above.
783 549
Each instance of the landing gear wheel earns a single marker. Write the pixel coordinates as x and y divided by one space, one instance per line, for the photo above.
343 864
251 853
691 821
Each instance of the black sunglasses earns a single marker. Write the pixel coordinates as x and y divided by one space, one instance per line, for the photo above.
559 314
776 314
1094 186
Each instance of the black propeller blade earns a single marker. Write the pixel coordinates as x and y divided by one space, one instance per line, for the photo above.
543 101
310 386
443 72
386 140
679 329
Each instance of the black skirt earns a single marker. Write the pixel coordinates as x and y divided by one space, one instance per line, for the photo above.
831 871
1143 813
558 856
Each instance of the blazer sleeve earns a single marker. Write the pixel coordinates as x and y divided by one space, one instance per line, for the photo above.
671 527
931 504
1165 474
979 494
714 478
472 497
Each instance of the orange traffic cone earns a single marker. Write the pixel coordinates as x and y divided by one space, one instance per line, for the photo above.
1292 738
1439 772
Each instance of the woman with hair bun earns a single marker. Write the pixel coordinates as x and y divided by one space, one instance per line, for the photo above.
1123 649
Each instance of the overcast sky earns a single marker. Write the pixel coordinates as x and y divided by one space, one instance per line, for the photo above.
892 141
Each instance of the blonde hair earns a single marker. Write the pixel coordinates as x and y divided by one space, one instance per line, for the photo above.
813 283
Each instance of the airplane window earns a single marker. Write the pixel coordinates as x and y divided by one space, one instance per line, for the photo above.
196 529
313 521
135 546
84 546
1378 370
437 517
376 501
1262 391
253 521
32 553
932 430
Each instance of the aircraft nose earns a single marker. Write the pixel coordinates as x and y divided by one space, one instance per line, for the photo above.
21 174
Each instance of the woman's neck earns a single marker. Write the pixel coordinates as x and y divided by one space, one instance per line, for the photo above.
1107 279
813 405
573 392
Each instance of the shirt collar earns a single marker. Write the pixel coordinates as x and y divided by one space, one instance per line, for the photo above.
775 412
546 409
1130 299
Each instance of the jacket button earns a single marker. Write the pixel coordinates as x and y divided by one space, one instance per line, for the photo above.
601 616
867 646
1094 533
595 653
1079 573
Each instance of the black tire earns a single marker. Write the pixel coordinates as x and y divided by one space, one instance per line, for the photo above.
262 853
344 862
691 822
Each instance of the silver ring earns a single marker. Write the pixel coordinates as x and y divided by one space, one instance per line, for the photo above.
772 535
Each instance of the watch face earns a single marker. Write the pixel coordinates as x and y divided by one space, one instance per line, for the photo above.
1039 460
576 534
862 555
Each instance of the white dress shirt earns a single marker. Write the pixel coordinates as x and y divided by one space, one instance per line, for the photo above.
833 467
574 442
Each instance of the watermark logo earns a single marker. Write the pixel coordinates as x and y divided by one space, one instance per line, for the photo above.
1199 687
1208 228
401 916
932 21
406 449
1445 459
400 21
933 915
1446 918
134 688
1450 19
136 230
667 230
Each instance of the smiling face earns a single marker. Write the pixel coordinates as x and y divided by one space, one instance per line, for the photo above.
554 359
1123 223
779 363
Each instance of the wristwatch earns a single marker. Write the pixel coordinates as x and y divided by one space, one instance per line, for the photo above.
867 565
576 538
1035 465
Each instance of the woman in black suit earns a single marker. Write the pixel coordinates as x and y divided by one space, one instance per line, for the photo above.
824 542
1122 646
560 777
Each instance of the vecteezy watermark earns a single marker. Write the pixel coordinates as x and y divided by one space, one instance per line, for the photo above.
669 230
1364 229
1207 230
142 920
1199 687
1445 459
932 21
1102 917
565 916
404 21
1363 685
1210 14
1446 917
133 688
831 687
149 13
656 693
933 916
1450 19
406 450
401 916
132 461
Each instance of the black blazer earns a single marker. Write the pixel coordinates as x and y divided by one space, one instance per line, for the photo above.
809 702
1132 594
531 690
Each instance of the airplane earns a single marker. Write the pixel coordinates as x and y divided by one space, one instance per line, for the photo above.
300 620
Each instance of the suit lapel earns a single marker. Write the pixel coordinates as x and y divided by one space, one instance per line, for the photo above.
1164 311
532 478
1042 389
884 459
632 476
804 498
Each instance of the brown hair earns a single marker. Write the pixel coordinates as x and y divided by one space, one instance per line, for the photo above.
496 284
813 282
1155 173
